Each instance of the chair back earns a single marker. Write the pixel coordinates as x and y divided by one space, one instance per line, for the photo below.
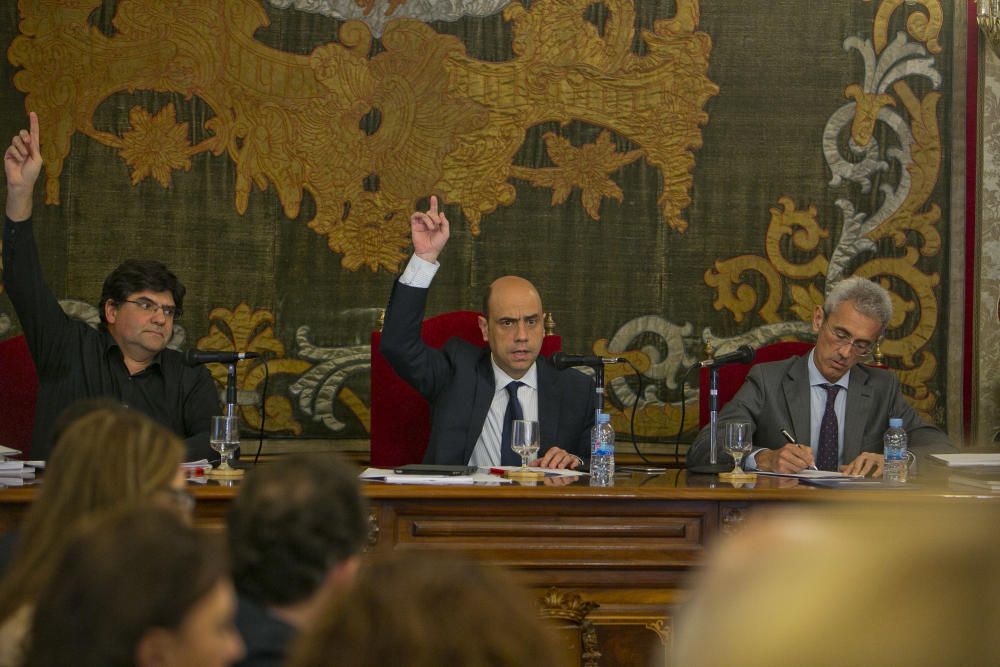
731 376
18 392
400 416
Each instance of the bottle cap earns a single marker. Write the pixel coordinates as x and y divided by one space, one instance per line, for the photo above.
895 422
603 418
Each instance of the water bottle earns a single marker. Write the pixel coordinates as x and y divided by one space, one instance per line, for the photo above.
602 452
894 449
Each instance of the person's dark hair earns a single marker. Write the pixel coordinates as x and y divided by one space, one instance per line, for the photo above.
428 609
137 275
117 579
293 520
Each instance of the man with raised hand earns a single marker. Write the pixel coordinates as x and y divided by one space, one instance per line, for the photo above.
127 357
474 392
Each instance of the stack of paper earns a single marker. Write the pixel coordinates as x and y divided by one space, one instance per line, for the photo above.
14 473
968 460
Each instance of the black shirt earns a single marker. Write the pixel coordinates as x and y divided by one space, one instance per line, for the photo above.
75 361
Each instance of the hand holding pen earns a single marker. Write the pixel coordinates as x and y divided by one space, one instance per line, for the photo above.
805 452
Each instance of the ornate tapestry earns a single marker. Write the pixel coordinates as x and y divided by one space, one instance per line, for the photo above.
670 174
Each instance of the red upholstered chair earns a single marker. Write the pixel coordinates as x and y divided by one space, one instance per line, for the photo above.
731 376
18 390
400 417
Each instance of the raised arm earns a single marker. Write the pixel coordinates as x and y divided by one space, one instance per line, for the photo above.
22 164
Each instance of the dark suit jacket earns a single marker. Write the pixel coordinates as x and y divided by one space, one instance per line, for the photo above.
458 382
267 637
776 396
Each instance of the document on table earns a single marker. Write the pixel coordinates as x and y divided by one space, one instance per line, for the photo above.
807 474
968 460
389 476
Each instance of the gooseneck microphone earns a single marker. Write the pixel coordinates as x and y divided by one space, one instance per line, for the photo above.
194 357
742 355
561 360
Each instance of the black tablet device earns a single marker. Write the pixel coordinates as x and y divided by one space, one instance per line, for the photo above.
433 469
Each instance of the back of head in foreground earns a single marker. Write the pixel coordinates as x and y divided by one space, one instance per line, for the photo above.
109 458
862 585
293 523
426 610
139 587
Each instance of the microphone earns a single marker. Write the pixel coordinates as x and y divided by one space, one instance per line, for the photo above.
561 360
742 355
194 357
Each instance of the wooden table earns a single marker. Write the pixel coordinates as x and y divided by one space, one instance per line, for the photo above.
631 549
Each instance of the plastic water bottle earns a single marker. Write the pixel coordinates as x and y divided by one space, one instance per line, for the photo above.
894 448
602 452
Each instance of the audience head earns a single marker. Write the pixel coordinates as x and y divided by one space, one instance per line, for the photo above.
297 524
513 324
909 585
851 321
107 459
137 588
425 610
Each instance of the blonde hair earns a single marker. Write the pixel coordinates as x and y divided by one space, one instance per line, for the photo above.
109 459
914 584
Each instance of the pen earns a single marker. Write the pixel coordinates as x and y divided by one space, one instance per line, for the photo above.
791 440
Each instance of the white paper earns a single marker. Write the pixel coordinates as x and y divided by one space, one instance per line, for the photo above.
968 460
807 474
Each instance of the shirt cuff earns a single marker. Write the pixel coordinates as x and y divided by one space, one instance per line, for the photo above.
419 272
750 463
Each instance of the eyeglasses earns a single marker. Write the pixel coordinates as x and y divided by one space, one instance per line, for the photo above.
842 338
170 312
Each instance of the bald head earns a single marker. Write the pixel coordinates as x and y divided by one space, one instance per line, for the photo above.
507 285
512 324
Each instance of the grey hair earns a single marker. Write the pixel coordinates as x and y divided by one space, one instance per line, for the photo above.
868 297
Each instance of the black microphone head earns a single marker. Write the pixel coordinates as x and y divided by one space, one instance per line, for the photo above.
191 357
559 360
746 354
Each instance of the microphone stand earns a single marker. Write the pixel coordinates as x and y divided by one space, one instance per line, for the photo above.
231 390
713 466
599 390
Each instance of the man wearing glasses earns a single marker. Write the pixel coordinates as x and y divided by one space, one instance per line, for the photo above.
823 409
127 357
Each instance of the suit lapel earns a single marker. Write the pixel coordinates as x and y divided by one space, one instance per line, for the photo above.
481 401
549 395
859 403
797 397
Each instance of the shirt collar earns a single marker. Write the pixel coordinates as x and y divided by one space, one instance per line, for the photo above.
501 379
816 378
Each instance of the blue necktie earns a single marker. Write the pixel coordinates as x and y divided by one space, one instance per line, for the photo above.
507 455
829 454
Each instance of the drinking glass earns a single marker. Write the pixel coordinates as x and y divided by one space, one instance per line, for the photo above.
225 438
737 443
524 439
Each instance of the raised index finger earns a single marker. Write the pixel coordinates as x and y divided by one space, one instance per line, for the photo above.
35 132
434 206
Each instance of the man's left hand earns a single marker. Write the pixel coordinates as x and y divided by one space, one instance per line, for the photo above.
867 464
557 458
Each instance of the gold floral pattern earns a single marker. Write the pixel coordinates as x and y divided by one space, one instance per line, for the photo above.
247 330
416 116
155 145
586 167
